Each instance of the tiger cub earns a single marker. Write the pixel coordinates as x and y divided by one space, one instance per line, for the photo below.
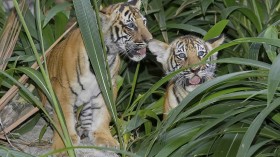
183 52
74 82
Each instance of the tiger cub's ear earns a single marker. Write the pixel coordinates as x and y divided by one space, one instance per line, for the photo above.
136 3
215 42
160 49
107 19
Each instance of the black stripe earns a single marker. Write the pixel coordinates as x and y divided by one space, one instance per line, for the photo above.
85 127
126 12
85 124
79 81
177 98
79 63
84 114
91 68
92 97
107 49
117 33
87 107
96 108
87 119
112 62
72 91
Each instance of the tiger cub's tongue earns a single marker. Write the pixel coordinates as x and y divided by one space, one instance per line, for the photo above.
195 80
142 51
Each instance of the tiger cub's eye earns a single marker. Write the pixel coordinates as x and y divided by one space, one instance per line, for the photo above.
182 55
200 53
130 25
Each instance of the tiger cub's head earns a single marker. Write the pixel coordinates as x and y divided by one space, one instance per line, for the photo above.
184 52
125 30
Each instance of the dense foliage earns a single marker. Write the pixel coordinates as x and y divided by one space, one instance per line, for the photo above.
236 114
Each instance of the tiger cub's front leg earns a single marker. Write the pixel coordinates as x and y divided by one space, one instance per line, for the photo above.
95 120
102 135
64 97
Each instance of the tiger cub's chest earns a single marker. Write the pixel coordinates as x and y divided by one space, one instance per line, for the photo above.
85 88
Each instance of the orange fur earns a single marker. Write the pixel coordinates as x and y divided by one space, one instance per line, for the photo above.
68 66
184 52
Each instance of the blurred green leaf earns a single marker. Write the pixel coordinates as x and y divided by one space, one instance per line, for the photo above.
228 145
42 132
216 30
28 126
187 28
273 79
55 10
254 128
5 152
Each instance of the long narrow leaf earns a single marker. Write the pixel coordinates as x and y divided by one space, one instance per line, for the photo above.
273 79
254 128
88 21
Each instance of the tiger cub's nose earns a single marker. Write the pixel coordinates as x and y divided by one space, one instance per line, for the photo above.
195 70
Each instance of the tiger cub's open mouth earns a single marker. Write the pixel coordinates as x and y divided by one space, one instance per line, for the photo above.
195 80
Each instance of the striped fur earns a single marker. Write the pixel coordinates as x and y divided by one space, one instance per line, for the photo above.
74 81
183 52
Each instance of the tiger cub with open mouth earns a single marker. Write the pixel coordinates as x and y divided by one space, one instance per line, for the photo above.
181 53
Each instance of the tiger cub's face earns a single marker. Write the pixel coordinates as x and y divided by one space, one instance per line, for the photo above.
125 30
184 52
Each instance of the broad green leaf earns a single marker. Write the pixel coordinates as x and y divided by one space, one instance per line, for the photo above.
274 42
42 132
174 113
205 4
272 33
244 61
183 6
169 141
60 24
37 77
252 131
246 12
48 35
29 125
273 79
28 93
228 145
216 30
257 147
92 36
54 11
160 17
134 123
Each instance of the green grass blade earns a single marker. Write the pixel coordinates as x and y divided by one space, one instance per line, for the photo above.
5 152
187 28
92 35
244 61
254 128
273 79
65 136
54 11
37 77
274 42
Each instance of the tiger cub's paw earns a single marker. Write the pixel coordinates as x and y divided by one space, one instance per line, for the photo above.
75 139
105 140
